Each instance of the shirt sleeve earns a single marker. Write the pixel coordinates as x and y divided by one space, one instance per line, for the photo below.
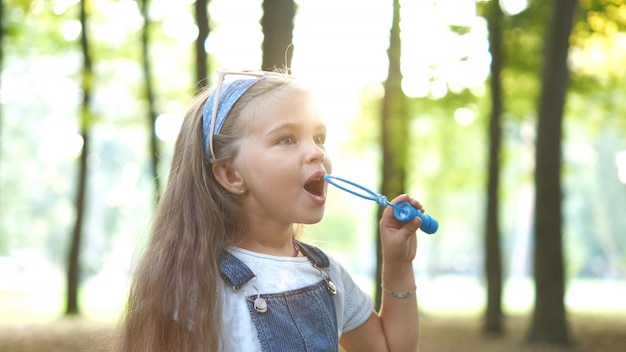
355 305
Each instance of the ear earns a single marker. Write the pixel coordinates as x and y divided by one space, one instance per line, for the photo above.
228 177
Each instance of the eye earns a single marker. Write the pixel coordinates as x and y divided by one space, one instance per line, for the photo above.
321 139
287 140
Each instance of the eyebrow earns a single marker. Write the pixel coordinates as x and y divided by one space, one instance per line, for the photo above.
290 125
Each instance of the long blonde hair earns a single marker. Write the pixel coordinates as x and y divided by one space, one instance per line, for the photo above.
174 302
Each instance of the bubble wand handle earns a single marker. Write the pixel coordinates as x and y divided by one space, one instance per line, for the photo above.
403 211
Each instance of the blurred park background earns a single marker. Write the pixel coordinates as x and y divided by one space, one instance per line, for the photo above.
89 117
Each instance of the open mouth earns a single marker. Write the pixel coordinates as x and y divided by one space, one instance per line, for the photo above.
315 187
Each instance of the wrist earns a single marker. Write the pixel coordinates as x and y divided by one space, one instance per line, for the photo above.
398 278
399 294
398 270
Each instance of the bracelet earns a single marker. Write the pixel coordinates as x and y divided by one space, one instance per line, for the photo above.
396 294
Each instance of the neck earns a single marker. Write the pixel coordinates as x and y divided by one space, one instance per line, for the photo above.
280 246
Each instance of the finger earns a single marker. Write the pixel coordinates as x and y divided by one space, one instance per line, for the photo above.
416 204
413 225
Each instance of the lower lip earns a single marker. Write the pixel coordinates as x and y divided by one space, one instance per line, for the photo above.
318 200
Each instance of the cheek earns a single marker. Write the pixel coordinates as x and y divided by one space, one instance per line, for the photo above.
245 163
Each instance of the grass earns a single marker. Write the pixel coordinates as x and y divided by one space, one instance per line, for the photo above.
590 333
101 300
451 317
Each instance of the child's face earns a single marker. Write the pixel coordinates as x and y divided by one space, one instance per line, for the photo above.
282 160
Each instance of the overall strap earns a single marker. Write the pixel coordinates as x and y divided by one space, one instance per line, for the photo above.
315 255
234 271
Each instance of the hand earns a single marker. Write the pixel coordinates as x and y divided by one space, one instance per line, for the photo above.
399 240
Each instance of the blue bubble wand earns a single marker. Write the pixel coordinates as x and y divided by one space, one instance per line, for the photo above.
403 211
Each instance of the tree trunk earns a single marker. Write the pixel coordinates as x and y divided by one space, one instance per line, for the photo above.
1 119
394 133
549 320
493 260
277 23
202 21
73 271
149 92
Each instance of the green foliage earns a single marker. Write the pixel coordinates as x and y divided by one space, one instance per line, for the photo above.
338 231
446 159
604 17
26 21
40 124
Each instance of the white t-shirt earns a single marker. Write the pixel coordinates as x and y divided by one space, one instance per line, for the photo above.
277 274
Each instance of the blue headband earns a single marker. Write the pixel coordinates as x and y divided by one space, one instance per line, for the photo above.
230 93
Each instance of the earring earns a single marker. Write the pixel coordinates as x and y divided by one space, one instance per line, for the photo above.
242 190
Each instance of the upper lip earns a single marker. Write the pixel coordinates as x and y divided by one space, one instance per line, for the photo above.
318 175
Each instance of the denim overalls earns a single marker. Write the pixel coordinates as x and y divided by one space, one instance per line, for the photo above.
303 319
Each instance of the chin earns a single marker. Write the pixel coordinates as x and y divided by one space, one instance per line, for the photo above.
311 220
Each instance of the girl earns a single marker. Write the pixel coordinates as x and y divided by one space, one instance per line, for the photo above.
223 270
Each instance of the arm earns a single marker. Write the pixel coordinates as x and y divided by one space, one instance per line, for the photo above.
396 326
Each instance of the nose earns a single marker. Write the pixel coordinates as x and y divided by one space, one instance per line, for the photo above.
316 153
